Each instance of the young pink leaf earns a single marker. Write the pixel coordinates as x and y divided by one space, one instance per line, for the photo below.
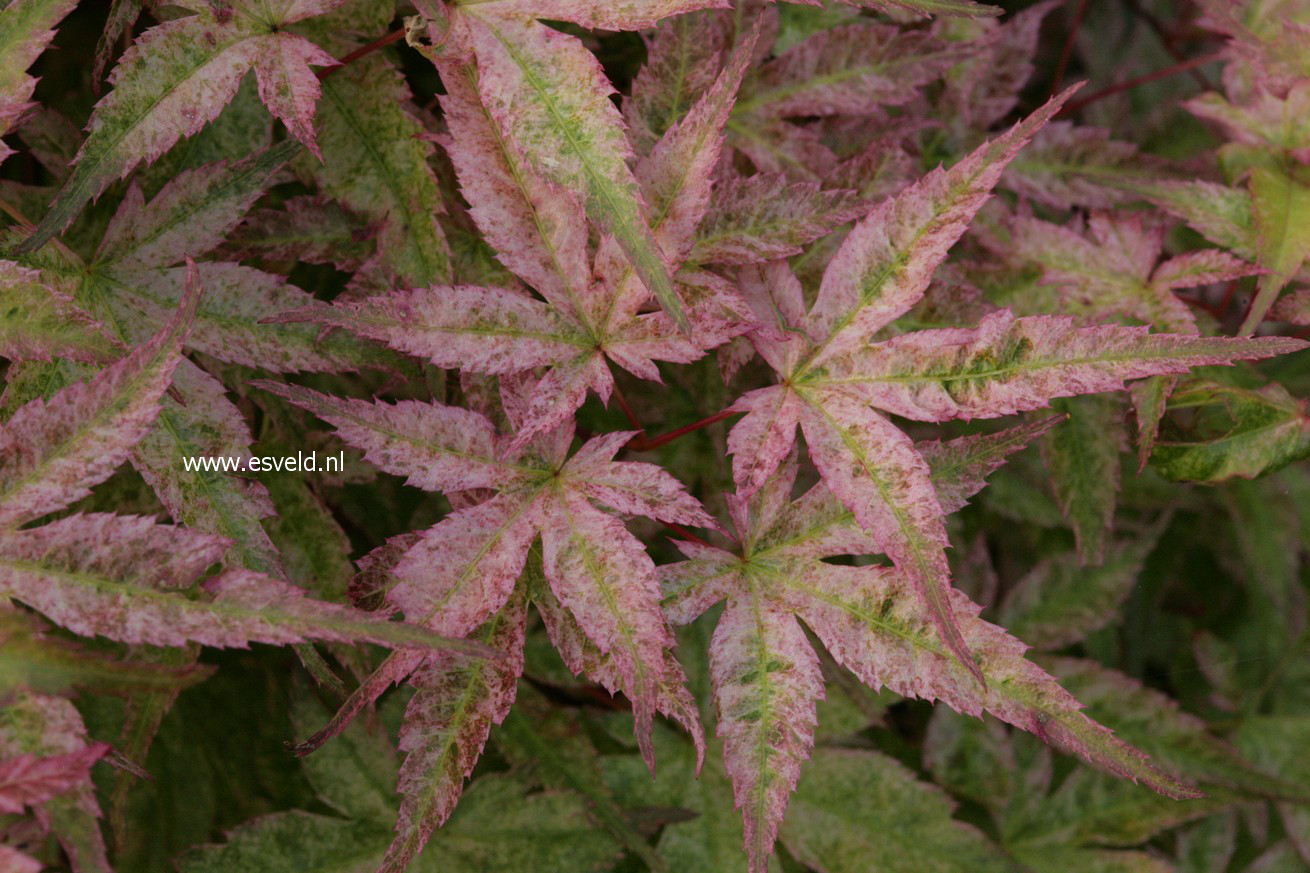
29 780
683 58
602 574
484 330
960 466
873 468
760 441
629 487
52 453
543 86
436 447
885 264
1008 365
446 726
767 683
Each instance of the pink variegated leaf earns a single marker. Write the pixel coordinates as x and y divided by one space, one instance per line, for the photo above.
437 447
760 218
446 725
872 467
233 321
191 214
484 330
26 29
1009 365
1202 268
548 94
631 487
1293 308
886 263
31 780
683 58
600 14
18 862
760 440
392 671
584 657
847 70
52 453
601 573
767 684
536 228
559 393
111 575
871 624
953 8
960 467
178 77
41 323
463 569
45 726
690 587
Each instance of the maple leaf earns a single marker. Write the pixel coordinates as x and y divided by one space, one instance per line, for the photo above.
542 86
833 380
538 231
461 575
766 673
178 76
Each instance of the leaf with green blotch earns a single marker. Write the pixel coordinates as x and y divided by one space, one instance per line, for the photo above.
550 97
1214 431
1280 204
765 672
857 810
40 323
376 164
42 726
26 28
1082 458
1060 601
177 77
34 658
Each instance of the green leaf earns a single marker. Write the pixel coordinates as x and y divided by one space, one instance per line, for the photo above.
858 811
1082 457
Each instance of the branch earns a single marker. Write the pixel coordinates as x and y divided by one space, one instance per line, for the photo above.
394 36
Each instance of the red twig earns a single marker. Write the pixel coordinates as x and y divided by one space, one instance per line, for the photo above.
629 412
644 444
1076 105
1067 53
394 36
685 534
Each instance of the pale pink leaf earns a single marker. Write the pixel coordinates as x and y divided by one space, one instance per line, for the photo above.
537 229
287 86
584 657
767 684
630 487
484 330
1202 268
683 58
760 440
51 454
960 467
1009 365
872 467
886 263
26 29
437 447
462 570
17 862
544 87
446 725
601 573
559 393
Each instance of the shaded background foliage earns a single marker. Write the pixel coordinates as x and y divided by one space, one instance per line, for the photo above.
1190 596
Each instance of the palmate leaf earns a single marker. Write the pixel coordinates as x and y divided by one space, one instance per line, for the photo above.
539 232
869 620
26 28
461 573
544 88
178 76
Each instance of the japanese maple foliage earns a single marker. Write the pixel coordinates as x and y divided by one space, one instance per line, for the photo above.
476 247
